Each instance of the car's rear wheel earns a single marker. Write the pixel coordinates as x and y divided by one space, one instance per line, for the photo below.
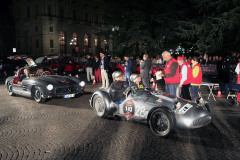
37 95
10 89
161 123
99 106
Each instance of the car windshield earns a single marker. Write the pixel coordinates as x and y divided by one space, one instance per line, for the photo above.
33 72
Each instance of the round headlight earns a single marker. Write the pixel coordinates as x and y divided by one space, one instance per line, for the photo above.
50 87
82 84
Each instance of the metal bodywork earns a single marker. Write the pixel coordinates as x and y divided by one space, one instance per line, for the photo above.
141 104
61 85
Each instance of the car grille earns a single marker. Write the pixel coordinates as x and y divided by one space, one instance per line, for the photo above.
203 121
70 89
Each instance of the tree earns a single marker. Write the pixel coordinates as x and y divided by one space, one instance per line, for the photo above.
215 27
142 25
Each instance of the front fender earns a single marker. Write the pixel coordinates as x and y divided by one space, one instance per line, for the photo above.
105 96
111 107
165 108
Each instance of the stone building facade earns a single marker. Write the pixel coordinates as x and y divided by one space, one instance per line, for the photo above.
54 27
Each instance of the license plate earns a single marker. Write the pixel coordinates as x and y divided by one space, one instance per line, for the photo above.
69 95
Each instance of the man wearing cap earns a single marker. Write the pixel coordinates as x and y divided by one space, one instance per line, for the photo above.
171 73
118 87
185 77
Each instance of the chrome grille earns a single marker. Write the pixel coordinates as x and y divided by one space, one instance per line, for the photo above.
203 121
70 89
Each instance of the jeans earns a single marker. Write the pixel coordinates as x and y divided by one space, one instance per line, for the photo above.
195 90
127 77
171 89
185 92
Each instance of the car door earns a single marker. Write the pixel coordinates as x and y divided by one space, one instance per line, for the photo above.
134 106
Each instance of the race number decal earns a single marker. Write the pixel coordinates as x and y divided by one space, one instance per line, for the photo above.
129 108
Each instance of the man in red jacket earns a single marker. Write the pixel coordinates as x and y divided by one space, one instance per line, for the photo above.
185 77
171 73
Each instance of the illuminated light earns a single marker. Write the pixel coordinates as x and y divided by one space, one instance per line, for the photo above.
82 83
50 87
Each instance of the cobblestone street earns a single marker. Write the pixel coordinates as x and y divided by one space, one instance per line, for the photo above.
69 129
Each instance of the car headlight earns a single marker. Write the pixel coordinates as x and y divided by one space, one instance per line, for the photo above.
50 87
82 84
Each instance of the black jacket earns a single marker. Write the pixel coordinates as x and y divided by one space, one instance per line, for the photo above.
96 64
116 90
89 62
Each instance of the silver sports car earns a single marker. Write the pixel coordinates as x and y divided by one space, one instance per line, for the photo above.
40 83
163 112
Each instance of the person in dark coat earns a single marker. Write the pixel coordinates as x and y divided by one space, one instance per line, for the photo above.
89 68
118 87
145 70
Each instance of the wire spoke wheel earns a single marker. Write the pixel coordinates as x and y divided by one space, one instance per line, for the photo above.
37 95
10 90
161 123
99 106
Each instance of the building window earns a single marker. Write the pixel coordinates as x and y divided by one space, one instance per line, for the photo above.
61 12
36 28
28 12
62 42
96 42
85 40
37 43
50 29
49 10
51 43
74 39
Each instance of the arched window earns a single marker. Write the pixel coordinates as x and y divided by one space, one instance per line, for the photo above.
85 40
62 43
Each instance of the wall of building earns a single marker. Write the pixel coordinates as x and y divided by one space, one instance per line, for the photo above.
39 22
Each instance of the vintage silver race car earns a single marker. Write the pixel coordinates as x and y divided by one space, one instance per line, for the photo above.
40 83
163 112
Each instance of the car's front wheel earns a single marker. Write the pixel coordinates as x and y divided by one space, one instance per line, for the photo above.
99 106
10 89
161 123
37 95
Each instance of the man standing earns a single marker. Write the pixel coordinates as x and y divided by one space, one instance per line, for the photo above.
185 77
89 65
97 70
127 67
171 73
196 78
104 65
145 70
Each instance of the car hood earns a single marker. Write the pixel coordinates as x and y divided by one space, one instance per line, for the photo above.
58 80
